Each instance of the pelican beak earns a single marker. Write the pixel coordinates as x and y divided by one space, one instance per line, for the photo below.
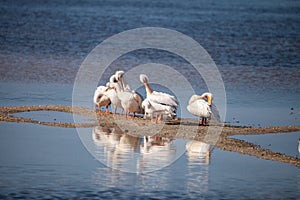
209 100
115 88
121 83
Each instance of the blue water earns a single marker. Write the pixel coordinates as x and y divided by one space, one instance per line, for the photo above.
255 46
283 143
47 162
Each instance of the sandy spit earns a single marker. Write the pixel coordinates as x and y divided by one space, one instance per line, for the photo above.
215 134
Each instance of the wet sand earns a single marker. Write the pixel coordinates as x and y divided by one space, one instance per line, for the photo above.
168 129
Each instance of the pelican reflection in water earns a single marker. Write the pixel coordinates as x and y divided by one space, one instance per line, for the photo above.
197 150
125 152
156 152
198 155
114 147
154 144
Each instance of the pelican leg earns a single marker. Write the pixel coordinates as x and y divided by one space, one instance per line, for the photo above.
106 109
115 110
202 121
155 122
159 118
133 116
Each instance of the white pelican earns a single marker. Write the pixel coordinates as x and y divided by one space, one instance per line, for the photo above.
101 98
112 94
130 100
151 108
158 103
199 107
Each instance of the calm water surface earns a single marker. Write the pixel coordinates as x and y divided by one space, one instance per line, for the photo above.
46 162
255 45
284 143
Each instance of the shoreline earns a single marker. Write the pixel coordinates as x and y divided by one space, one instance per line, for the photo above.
168 129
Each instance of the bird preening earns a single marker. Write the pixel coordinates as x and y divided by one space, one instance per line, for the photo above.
156 104
198 106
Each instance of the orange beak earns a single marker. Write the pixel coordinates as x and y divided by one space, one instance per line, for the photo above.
209 100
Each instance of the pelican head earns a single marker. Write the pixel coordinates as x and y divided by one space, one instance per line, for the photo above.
114 86
119 75
113 79
209 97
144 78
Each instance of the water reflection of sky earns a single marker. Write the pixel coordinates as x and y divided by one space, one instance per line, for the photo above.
38 161
53 116
286 143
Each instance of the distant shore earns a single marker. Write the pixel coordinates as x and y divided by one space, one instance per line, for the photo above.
168 129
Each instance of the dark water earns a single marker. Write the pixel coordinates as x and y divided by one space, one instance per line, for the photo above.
256 46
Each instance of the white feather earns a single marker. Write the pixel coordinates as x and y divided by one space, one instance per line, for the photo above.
100 96
199 107
158 102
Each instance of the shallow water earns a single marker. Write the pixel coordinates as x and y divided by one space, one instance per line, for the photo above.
47 162
53 116
286 143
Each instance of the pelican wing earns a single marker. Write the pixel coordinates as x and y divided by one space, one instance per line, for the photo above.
163 98
138 97
130 101
151 107
99 92
160 108
199 108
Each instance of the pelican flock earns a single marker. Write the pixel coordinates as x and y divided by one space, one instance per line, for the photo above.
156 104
